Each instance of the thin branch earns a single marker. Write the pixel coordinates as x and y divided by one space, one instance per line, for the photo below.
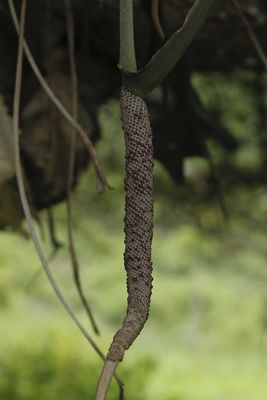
87 141
22 191
254 40
156 19
74 94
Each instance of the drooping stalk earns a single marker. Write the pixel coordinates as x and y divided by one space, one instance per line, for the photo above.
138 221
138 228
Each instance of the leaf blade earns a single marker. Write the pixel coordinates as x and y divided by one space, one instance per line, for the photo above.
163 61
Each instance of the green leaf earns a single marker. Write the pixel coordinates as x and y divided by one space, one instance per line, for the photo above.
161 64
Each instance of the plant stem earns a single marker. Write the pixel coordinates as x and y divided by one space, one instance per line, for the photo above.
127 48
106 376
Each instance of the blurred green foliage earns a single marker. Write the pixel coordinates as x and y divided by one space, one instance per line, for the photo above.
206 338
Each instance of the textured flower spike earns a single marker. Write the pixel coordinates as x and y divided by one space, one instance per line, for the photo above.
138 220
138 228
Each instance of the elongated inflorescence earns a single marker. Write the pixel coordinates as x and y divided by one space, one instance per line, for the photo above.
138 220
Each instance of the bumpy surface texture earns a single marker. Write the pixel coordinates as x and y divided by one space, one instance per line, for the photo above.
138 220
